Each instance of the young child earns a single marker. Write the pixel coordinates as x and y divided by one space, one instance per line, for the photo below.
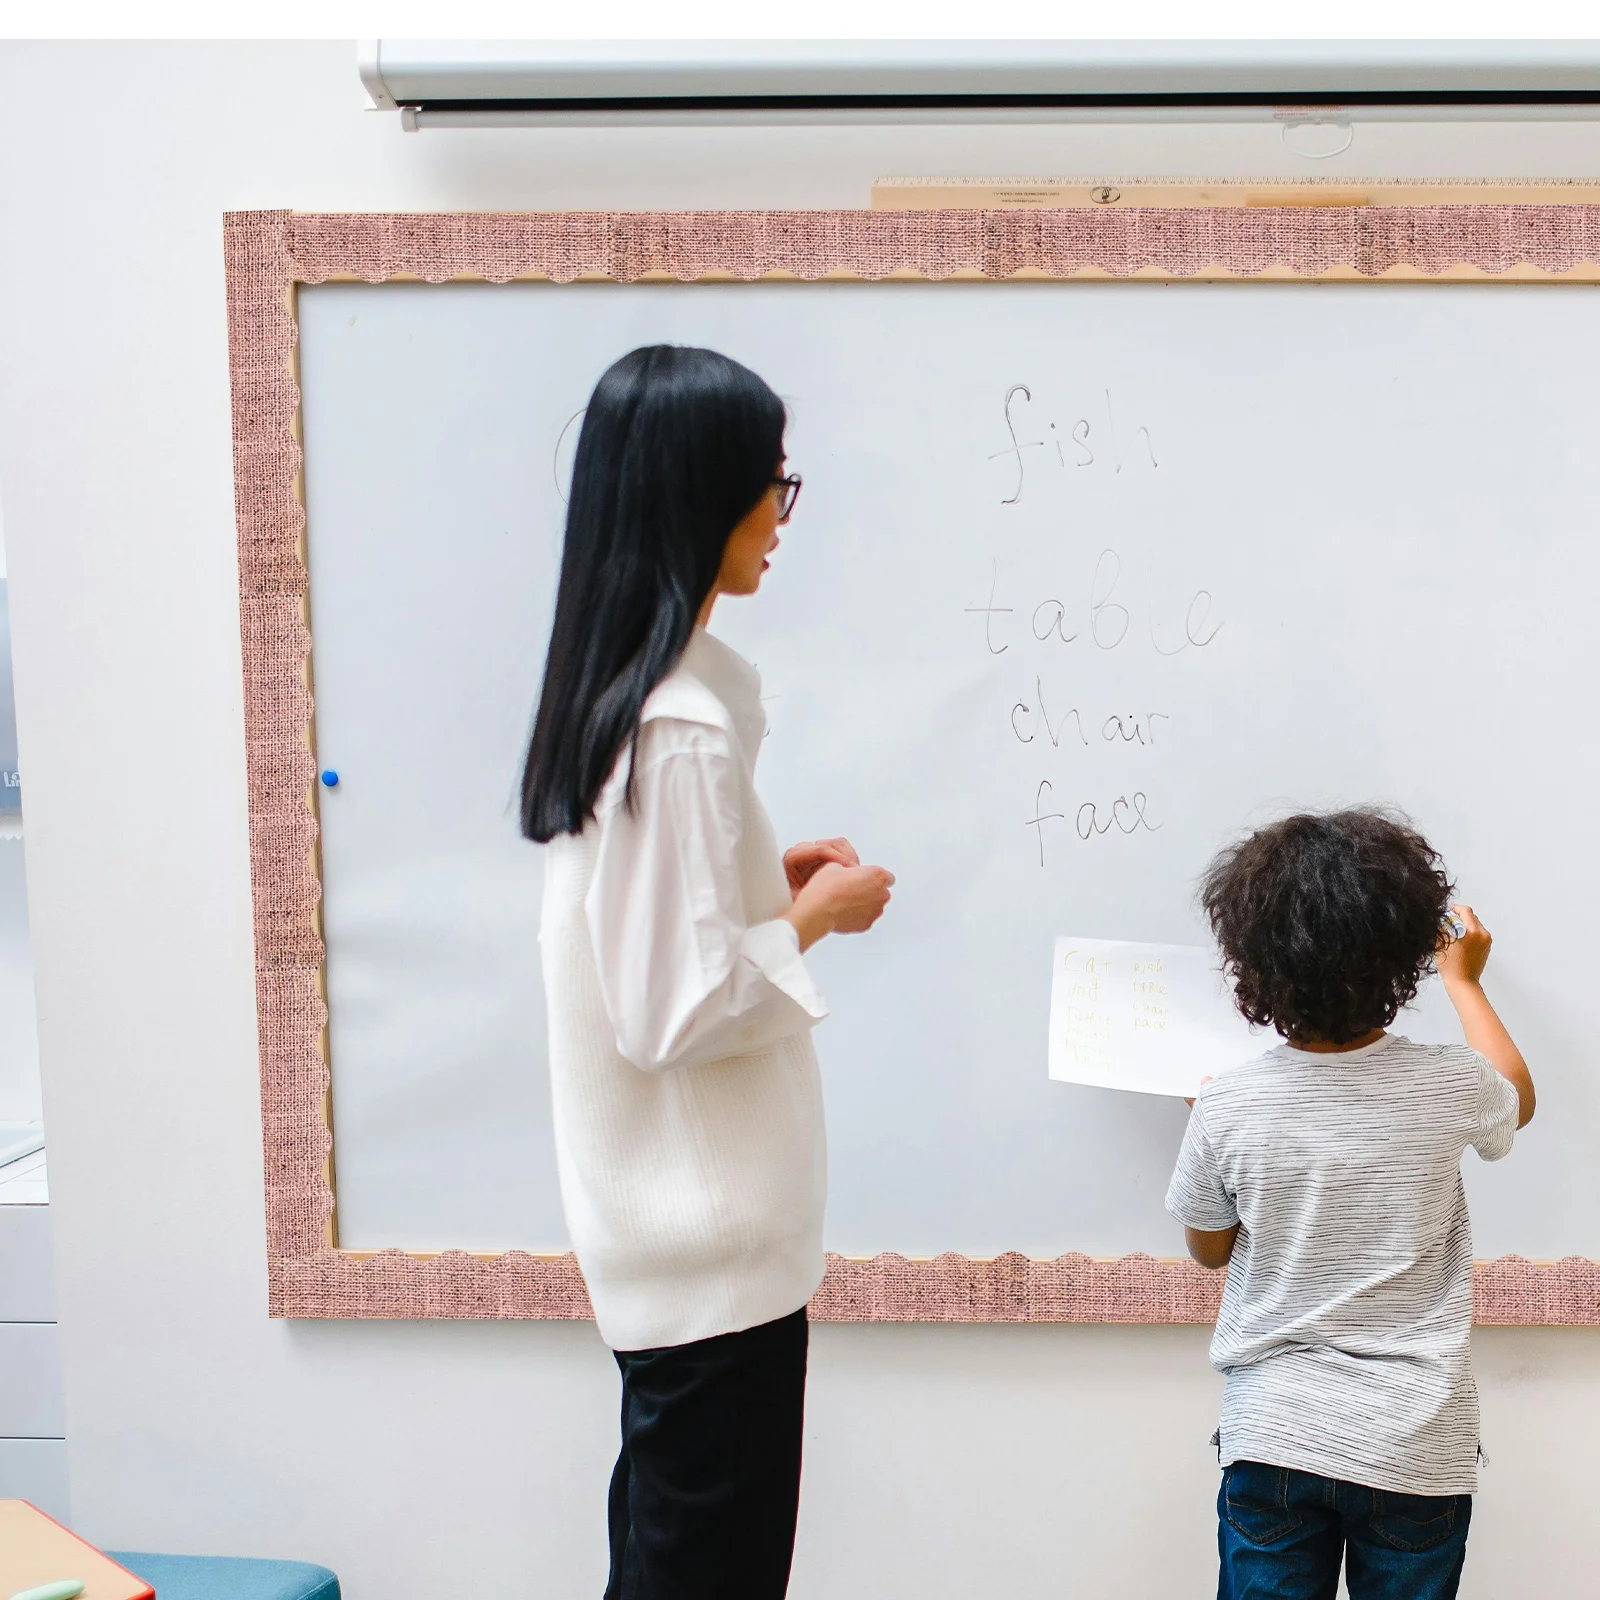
1328 1172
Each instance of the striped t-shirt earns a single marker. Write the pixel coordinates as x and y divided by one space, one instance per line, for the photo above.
1346 1320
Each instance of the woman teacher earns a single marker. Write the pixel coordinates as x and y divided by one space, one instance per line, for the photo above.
687 1103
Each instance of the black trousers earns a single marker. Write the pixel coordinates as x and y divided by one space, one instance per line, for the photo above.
707 1487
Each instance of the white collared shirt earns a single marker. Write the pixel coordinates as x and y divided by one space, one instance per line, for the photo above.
690 970
686 1099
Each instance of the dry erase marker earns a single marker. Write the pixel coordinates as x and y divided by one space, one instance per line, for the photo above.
1453 925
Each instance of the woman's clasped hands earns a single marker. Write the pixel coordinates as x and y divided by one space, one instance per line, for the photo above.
833 892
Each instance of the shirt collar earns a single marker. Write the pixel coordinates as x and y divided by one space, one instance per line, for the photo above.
1366 1052
734 682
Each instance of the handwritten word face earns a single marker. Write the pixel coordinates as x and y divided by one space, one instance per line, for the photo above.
1122 816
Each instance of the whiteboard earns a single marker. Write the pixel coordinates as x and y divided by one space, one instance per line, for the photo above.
1225 549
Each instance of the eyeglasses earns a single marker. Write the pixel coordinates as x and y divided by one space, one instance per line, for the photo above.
788 492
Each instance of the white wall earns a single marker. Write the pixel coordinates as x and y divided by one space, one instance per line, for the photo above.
943 1461
20 1089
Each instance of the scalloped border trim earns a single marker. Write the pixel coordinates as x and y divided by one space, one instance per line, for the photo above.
268 253
885 1288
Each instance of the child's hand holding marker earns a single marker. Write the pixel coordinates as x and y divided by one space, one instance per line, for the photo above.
1464 947
1461 958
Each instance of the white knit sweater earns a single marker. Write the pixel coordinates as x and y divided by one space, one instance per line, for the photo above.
693 1178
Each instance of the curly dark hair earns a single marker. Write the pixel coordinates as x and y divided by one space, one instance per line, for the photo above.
1327 923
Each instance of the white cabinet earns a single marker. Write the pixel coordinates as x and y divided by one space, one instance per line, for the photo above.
33 1449
27 1289
30 1381
36 1470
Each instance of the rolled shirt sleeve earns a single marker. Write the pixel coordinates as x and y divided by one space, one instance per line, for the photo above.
684 975
1197 1196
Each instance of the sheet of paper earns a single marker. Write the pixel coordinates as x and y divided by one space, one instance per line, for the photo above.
1156 1018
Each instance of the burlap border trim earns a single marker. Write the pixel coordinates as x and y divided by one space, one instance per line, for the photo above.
269 252
886 1288
1493 241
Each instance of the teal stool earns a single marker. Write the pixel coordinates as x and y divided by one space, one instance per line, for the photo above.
228 1577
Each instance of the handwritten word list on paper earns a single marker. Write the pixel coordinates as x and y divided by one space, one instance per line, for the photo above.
1156 1018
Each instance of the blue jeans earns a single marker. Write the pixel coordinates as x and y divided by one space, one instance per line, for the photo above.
1281 1535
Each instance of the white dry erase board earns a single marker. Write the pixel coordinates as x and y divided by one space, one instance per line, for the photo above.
1085 578
1262 547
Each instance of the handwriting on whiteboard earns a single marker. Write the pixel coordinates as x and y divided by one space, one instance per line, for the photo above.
1030 722
1094 615
1125 814
1040 635
1085 442
1048 717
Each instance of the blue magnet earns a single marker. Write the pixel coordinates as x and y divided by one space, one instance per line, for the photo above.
330 779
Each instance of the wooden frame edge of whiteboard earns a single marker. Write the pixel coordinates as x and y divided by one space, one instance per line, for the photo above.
348 1253
308 1275
1122 193
1583 272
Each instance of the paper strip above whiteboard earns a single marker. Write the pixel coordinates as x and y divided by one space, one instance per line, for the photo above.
1156 1018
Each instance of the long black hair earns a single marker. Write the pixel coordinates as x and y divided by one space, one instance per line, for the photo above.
677 447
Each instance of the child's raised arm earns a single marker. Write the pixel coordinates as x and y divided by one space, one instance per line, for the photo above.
1461 963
